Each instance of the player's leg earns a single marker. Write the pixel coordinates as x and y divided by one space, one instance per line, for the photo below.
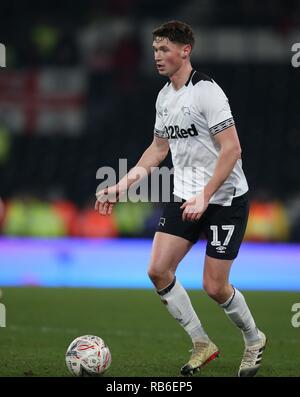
167 251
215 283
174 238
225 231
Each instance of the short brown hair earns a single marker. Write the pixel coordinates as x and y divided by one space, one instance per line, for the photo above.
175 31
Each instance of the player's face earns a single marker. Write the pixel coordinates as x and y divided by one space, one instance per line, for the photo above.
168 56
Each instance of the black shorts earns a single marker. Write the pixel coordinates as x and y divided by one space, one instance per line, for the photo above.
223 227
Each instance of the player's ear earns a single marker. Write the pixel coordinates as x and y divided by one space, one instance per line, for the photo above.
186 51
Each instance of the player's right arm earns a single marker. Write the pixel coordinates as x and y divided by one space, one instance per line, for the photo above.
151 157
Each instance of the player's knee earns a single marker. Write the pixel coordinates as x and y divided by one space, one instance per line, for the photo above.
155 274
214 290
159 275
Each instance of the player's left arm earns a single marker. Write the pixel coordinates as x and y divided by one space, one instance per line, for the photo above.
214 105
230 152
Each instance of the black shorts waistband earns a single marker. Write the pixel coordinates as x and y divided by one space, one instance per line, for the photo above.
243 197
237 199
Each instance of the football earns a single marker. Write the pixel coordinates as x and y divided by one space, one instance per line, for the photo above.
88 355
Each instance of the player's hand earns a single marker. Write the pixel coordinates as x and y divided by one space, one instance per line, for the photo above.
194 208
106 199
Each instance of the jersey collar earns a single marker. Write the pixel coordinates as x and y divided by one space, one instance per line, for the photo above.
193 71
190 77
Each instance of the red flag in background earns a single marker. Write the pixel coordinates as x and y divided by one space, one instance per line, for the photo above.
48 101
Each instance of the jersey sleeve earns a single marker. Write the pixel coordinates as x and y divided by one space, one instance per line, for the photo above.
215 107
159 127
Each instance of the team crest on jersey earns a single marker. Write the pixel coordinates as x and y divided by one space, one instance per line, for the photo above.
165 112
186 110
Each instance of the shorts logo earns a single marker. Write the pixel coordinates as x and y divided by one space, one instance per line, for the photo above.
165 112
162 222
221 249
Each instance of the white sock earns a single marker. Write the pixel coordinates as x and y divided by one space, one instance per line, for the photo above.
179 306
238 311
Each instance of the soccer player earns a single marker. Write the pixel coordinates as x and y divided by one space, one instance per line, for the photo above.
194 121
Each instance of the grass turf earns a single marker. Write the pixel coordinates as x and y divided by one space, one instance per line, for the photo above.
143 338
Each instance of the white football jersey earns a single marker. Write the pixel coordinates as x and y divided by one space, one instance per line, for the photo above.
190 118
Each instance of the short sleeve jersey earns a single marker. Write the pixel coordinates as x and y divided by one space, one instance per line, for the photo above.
190 118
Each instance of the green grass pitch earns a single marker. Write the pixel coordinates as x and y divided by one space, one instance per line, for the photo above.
143 338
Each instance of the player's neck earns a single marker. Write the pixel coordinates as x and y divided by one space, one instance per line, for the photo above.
179 78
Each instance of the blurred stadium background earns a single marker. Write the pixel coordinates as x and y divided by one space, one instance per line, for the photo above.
78 93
